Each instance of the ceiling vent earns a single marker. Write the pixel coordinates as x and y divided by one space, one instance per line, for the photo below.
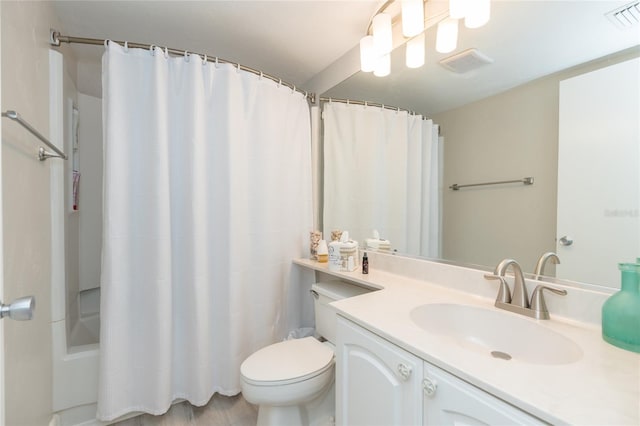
466 61
626 16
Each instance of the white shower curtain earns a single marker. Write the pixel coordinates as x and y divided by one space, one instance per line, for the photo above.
381 172
207 199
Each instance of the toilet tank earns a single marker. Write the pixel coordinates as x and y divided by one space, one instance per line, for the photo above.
325 293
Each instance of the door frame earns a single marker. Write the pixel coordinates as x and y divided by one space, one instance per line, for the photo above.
2 410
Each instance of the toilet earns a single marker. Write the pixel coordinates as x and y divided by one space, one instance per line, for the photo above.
292 382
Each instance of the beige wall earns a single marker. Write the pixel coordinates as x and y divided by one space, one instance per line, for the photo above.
507 136
27 266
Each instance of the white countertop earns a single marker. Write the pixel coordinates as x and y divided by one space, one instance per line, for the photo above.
602 388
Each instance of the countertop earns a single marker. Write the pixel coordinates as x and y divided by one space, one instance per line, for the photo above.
601 388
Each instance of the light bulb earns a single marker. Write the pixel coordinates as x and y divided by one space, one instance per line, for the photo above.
447 36
412 17
382 40
478 13
367 54
415 52
383 66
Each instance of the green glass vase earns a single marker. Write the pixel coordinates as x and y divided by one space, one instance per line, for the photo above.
621 311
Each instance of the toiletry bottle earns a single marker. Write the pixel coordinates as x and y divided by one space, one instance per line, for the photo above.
323 252
335 259
365 263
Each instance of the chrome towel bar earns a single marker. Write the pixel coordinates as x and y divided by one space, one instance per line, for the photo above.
42 154
526 181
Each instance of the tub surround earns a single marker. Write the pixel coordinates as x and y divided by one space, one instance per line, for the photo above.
603 387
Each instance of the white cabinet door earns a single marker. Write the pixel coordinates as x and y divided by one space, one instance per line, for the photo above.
451 401
377 383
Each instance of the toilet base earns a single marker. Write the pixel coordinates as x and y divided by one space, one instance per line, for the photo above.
318 412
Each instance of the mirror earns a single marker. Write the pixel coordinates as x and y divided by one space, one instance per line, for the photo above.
500 121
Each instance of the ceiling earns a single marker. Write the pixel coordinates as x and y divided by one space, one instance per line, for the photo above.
526 40
293 40
298 40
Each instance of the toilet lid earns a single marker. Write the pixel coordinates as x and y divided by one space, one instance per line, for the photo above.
291 359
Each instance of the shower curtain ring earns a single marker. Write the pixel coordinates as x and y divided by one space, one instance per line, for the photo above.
293 89
186 56
204 60
261 74
152 49
216 62
126 46
106 43
238 68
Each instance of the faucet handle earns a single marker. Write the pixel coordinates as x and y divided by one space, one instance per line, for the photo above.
504 295
538 304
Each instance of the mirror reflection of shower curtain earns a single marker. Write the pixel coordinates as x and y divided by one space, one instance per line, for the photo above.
207 198
381 171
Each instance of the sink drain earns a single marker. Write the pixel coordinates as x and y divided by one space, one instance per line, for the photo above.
501 355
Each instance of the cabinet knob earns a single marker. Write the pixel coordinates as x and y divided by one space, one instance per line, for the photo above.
404 371
429 386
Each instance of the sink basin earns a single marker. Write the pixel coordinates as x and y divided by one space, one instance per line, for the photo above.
499 334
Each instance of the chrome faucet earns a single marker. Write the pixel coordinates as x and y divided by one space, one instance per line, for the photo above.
518 301
519 296
546 257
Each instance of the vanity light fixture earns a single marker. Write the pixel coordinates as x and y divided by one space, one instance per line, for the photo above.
367 54
382 44
383 66
382 40
478 13
412 17
376 46
415 52
447 36
458 8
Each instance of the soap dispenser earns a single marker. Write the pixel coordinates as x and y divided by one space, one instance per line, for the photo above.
621 312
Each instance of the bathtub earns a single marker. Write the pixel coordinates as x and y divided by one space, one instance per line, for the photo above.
75 368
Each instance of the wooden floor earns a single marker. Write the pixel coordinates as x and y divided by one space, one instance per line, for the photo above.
220 411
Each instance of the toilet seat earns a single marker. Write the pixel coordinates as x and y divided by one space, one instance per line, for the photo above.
287 362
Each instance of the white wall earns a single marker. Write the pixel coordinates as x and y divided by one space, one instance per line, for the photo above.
26 194
90 202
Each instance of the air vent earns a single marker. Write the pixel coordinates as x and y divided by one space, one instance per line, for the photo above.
626 16
466 61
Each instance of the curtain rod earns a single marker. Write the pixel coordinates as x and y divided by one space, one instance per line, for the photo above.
373 104
55 38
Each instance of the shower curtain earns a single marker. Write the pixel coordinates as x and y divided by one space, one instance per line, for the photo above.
207 199
381 171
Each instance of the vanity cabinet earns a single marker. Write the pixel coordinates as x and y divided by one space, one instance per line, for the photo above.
378 383
449 400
